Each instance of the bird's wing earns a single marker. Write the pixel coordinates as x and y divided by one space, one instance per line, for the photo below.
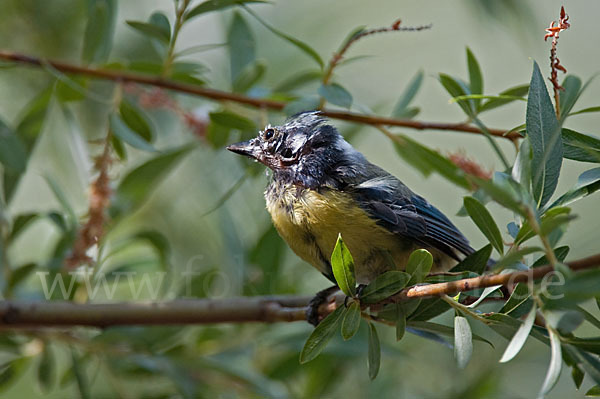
401 211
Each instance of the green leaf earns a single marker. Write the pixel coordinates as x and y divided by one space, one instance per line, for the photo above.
99 32
46 375
122 131
593 391
580 147
418 266
20 274
551 219
158 241
544 135
505 97
569 96
216 5
290 39
482 218
475 262
137 185
517 342
297 80
351 321
303 104
158 27
560 253
590 363
136 120
233 121
249 76
463 341
502 192
442 330
427 160
475 76
577 374
119 147
19 224
374 358
521 170
401 109
13 154
513 257
456 88
582 285
555 364
317 341
242 46
587 183
342 264
519 297
10 371
336 94
63 200
400 321
384 286
585 111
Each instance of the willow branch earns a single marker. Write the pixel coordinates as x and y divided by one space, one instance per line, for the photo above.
218 95
267 309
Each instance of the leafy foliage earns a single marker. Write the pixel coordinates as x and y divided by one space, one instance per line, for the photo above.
141 154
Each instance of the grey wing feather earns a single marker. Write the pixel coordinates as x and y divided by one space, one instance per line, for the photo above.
401 211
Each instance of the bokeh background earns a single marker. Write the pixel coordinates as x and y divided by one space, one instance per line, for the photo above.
233 248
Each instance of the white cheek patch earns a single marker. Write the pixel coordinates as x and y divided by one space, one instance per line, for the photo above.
296 142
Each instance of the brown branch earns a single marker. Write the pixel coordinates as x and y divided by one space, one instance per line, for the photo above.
218 95
236 310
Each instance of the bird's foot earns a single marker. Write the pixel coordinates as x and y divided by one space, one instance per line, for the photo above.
312 312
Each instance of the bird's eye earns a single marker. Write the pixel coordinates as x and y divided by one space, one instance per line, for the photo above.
287 153
269 133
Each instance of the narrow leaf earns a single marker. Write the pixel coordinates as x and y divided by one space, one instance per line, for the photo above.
463 341
99 32
513 257
374 358
418 266
587 183
216 5
436 328
242 46
517 342
544 135
569 96
384 286
505 97
336 94
290 39
129 136
409 93
475 76
482 218
321 335
585 111
400 321
351 321
456 88
580 147
555 364
342 264
136 186
475 262
230 120
150 30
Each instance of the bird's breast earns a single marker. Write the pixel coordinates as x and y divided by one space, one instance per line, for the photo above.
310 221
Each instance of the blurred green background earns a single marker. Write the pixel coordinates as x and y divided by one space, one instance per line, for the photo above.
233 249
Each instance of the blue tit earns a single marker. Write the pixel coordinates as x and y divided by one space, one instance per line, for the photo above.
321 187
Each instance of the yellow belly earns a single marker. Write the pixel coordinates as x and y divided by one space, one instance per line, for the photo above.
310 221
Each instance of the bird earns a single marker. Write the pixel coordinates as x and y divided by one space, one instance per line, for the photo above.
322 187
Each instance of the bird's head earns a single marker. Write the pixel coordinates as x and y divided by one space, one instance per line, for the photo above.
303 150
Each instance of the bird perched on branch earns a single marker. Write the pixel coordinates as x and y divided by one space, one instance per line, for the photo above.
321 187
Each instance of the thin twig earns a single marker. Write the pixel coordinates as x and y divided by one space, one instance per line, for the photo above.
269 309
218 95
555 65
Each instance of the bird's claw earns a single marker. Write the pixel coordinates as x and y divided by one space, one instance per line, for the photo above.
312 312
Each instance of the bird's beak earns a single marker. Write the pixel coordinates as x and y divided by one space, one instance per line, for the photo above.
247 148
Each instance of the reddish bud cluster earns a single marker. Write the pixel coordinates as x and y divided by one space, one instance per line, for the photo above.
469 166
553 31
